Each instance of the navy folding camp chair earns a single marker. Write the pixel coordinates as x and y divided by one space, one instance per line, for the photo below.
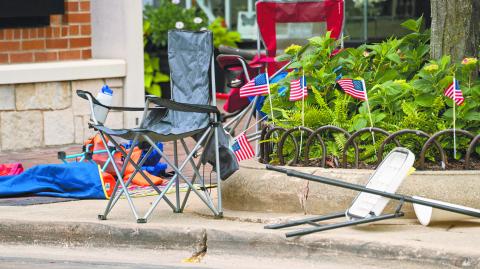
192 112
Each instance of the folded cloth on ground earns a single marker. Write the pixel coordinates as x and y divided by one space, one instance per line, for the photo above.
81 180
10 169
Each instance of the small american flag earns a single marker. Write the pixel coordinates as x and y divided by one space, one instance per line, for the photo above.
453 92
242 149
297 90
256 86
354 88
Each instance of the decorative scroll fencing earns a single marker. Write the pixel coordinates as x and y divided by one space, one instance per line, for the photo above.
274 139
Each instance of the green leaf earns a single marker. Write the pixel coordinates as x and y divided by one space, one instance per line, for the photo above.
448 113
425 100
155 90
295 65
388 75
359 124
422 85
379 117
283 57
472 115
156 64
394 58
159 78
148 80
413 25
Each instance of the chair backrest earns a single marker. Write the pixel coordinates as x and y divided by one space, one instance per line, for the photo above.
387 178
269 13
189 57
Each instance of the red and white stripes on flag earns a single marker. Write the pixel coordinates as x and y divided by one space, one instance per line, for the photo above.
298 89
256 86
354 88
242 148
454 92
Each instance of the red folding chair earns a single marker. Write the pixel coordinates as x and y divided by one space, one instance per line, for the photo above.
269 15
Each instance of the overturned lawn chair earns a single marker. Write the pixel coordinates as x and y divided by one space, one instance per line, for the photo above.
373 198
192 112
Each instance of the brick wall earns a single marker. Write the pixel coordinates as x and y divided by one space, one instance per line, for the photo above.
67 38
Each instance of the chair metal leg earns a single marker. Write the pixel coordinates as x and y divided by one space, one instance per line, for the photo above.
305 221
185 179
177 179
127 194
187 194
196 174
178 172
219 181
138 169
344 224
113 199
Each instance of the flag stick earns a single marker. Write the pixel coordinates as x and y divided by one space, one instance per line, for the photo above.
253 125
454 105
303 111
269 93
370 117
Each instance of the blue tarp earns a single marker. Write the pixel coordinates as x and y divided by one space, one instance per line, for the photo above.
74 180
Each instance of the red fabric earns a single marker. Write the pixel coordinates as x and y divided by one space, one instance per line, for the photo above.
234 101
270 13
11 169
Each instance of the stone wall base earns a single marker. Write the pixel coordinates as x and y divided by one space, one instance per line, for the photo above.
253 188
36 115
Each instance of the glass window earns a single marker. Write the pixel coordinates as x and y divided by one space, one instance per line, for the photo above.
382 17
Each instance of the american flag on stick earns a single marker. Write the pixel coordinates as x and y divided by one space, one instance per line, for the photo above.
242 148
257 86
354 88
298 89
454 92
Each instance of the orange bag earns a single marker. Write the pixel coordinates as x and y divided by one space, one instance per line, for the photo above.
96 143
139 179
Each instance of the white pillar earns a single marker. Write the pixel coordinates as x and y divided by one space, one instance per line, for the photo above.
117 33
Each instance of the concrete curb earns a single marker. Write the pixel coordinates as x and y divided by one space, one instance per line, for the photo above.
315 247
261 243
83 234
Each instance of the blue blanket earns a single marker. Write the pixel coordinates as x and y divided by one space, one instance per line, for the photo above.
73 180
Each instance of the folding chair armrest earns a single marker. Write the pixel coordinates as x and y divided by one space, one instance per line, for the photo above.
228 60
89 97
169 104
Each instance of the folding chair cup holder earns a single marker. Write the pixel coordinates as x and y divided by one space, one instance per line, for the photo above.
369 204
192 112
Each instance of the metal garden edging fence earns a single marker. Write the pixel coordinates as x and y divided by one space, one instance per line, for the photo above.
276 146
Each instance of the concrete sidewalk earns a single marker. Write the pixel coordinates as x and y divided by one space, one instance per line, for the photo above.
74 224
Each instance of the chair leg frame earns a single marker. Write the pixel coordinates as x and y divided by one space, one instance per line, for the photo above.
179 174
195 168
319 227
137 169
